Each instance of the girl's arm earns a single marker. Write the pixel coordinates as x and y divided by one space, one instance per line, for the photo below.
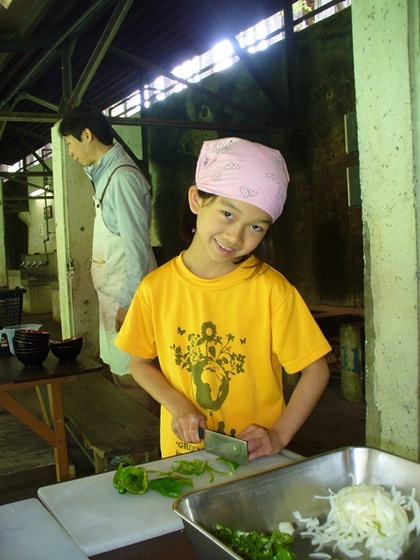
186 418
308 391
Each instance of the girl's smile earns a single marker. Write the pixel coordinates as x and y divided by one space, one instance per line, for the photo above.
223 248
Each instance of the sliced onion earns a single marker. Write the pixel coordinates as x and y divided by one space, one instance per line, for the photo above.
365 515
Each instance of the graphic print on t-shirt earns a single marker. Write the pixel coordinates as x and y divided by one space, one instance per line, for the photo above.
212 360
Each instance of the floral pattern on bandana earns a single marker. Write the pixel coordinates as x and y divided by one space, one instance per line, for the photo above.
244 170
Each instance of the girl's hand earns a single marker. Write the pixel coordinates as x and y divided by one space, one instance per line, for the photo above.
261 441
185 423
186 418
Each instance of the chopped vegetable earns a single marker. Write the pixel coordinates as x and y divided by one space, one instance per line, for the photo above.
257 546
133 480
117 479
366 515
286 527
170 486
195 467
232 464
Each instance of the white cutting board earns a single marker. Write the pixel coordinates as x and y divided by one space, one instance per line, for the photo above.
100 519
29 532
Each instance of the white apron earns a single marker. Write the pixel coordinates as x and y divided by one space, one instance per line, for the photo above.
108 273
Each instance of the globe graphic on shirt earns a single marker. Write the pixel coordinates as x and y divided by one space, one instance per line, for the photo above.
210 383
211 360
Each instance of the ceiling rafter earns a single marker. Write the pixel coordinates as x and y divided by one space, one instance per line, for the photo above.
39 81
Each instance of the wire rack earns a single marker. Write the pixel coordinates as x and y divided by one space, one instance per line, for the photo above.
11 302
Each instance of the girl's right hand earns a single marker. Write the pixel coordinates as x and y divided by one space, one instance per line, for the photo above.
186 421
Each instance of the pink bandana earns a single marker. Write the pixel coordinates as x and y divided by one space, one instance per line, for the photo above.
243 170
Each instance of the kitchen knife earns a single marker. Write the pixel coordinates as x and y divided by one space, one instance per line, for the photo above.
228 447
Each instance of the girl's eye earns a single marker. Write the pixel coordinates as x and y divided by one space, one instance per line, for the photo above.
256 228
228 214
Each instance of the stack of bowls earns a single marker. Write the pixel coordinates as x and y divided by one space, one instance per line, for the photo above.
67 349
31 347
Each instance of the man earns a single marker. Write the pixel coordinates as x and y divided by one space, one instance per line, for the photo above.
121 250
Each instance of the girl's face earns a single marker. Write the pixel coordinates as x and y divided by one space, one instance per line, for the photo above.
227 229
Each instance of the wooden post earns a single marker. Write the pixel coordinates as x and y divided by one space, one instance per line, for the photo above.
352 360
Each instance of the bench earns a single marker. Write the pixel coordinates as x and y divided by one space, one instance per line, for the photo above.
109 422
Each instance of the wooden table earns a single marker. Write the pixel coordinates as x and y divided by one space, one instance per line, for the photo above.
173 546
14 375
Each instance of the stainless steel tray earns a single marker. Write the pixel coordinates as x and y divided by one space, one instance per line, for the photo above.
261 501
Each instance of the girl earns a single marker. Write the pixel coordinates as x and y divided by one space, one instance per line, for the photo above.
222 322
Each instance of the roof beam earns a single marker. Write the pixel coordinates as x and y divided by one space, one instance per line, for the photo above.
13 174
24 143
140 121
10 99
150 66
100 50
91 12
37 100
246 60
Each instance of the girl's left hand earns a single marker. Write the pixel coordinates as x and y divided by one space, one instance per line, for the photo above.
261 441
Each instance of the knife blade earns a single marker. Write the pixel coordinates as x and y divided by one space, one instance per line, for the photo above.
231 448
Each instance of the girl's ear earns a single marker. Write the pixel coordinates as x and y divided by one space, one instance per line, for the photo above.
194 199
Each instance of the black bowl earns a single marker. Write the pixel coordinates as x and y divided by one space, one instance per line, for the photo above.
28 345
25 333
34 337
66 352
74 341
33 357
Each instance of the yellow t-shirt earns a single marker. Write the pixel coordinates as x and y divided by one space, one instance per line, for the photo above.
222 342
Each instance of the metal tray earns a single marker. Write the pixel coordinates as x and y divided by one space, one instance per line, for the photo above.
261 501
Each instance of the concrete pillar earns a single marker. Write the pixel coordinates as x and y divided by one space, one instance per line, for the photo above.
387 78
74 214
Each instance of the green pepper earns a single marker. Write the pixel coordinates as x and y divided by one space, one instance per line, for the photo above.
170 486
195 467
117 479
232 464
257 546
133 480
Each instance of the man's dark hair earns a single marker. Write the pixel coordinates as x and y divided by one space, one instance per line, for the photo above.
85 116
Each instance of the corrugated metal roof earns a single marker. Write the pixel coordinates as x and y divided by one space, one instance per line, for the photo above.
46 46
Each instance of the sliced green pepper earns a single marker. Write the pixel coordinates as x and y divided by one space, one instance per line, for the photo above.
257 546
232 464
133 480
195 467
170 486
